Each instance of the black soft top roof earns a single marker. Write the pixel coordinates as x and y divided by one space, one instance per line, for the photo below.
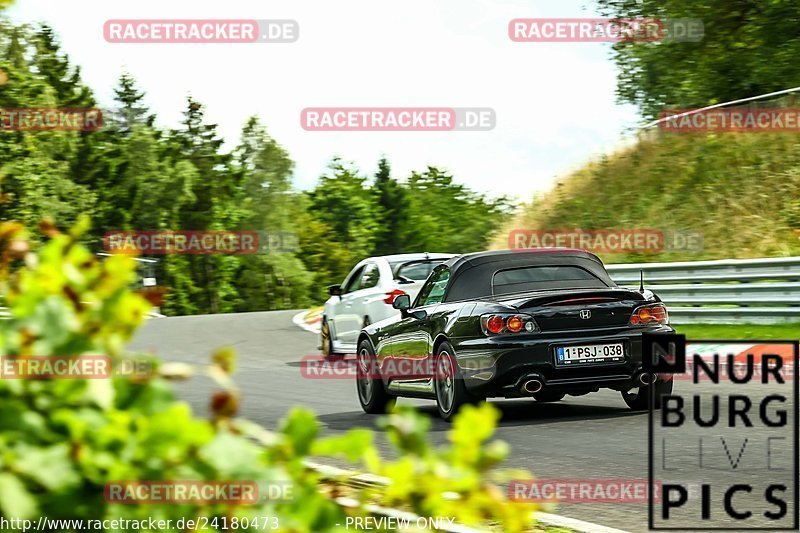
471 274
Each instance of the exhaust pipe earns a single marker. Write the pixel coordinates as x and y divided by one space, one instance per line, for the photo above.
532 386
647 378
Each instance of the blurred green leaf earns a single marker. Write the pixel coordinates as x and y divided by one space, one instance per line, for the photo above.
300 427
354 445
15 500
50 467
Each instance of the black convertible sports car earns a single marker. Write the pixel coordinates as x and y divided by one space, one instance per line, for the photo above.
524 323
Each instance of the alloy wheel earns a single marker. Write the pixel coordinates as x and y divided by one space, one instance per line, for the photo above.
444 379
364 376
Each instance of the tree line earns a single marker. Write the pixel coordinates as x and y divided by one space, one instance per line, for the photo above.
133 174
749 47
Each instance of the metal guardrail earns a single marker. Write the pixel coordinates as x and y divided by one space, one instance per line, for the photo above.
728 291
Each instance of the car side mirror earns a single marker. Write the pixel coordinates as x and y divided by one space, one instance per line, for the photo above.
402 302
335 290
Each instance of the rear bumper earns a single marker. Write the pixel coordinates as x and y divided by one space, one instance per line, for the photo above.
499 366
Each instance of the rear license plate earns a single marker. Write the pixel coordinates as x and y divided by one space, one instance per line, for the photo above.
593 353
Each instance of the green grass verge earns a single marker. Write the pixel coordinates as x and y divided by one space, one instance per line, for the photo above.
739 190
739 331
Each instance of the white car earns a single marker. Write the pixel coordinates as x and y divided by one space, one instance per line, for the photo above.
367 294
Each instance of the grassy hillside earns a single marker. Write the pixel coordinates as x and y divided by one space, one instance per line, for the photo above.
741 190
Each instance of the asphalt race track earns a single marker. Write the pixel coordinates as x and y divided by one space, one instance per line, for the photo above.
593 436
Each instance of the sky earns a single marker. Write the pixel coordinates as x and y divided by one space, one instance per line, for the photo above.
554 102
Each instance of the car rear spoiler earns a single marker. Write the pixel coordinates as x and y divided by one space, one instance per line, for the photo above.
583 297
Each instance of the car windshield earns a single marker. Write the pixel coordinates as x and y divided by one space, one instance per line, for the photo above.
543 277
414 270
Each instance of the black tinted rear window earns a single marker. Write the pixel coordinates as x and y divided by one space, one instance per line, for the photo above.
415 270
543 277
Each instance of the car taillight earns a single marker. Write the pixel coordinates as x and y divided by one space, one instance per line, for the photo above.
515 324
649 314
497 323
390 296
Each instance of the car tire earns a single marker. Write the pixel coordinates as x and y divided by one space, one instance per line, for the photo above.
546 397
326 343
372 394
639 399
448 384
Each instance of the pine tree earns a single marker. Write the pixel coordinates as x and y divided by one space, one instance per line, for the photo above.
393 208
58 72
212 191
131 110
37 167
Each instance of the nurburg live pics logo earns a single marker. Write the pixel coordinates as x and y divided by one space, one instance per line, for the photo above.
724 443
